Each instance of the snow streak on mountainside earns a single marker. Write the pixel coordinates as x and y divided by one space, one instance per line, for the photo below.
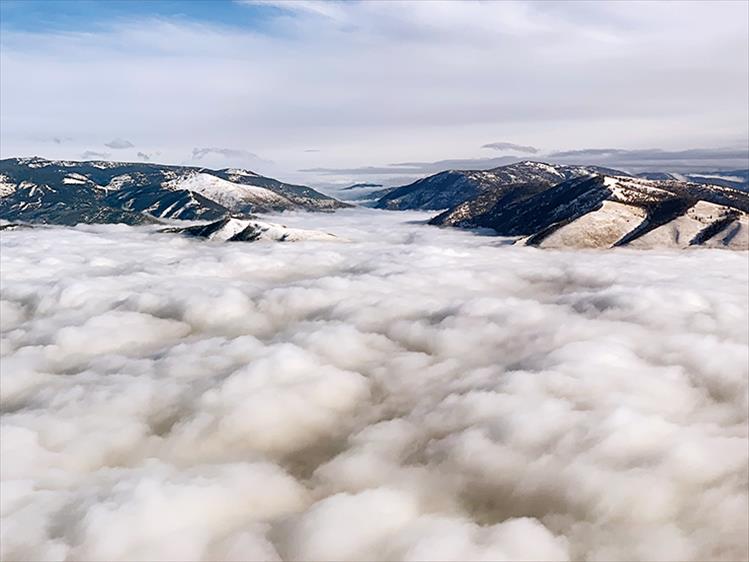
414 394
602 211
63 192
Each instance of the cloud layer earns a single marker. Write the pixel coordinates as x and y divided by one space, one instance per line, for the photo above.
414 394
658 159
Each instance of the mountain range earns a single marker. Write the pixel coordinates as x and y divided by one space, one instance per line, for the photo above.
550 205
66 192
536 203
604 211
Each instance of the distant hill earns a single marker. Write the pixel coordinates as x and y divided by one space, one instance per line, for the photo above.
452 187
362 186
364 193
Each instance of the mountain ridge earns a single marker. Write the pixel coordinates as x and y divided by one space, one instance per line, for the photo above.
608 211
35 189
453 187
539 204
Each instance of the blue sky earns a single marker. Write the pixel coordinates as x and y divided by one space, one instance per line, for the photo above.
334 92
71 15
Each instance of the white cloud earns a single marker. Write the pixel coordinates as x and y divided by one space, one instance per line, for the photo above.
377 83
396 397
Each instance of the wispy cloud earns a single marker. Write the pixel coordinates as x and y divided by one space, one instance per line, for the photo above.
199 153
654 154
119 144
331 9
92 154
511 146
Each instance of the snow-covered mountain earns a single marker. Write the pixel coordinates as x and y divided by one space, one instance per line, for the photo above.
67 192
607 210
239 230
544 205
453 187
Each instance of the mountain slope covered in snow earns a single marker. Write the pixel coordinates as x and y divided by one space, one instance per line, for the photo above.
453 187
239 230
603 211
67 192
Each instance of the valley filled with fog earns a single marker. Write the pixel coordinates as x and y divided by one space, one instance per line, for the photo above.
402 392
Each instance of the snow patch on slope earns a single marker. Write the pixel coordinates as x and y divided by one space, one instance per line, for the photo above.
629 190
679 232
231 195
75 179
597 229
735 236
118 182
543 167
240 173
7 186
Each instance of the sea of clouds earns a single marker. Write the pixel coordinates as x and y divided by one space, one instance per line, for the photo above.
411 393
